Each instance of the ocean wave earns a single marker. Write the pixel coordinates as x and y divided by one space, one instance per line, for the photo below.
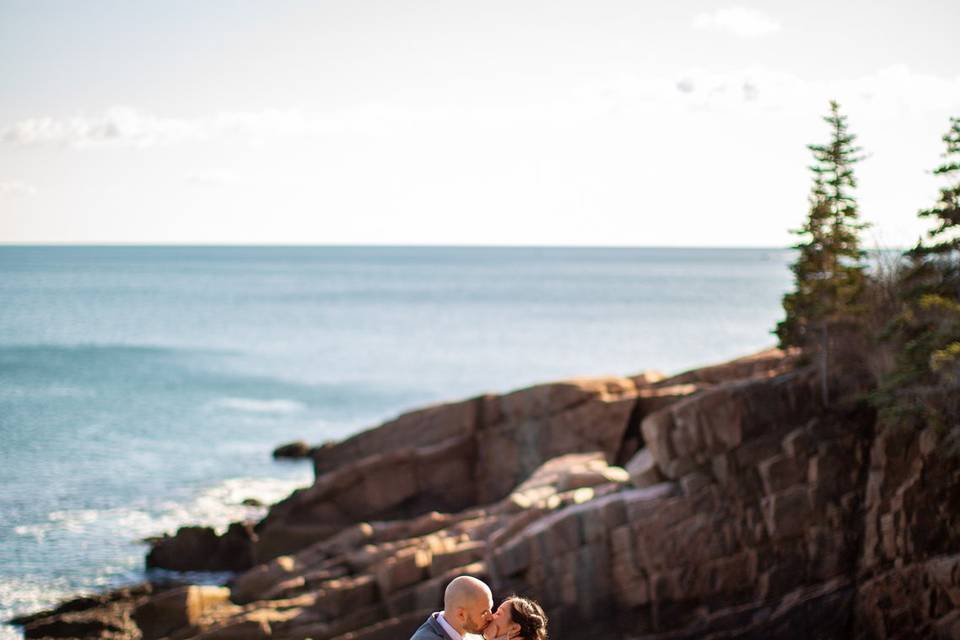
254 405
93 530
9 633
19 595
216 506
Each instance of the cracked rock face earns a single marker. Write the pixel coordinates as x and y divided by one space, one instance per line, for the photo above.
743 509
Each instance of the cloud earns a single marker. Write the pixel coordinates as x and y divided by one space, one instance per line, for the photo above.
16 188
901 88
123 125
212 178
886 93
131 127
739 21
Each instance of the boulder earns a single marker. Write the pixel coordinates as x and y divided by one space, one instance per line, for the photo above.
203 549
254 583
643 470
74 626
293 450
402 570
764 364
450 457
165 613
105 615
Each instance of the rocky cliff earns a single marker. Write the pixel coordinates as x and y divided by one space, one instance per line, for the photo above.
725 502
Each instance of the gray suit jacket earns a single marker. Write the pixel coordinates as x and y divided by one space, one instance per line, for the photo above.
430 630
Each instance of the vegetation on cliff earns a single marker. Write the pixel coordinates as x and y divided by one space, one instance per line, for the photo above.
899 321
924 381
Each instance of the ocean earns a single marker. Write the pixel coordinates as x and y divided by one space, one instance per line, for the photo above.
143 388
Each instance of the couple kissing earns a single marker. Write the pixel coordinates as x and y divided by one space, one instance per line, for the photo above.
468 608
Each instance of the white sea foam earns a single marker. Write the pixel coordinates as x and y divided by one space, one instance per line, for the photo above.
37 531
222 504
24 594
216 506
9 633
254 405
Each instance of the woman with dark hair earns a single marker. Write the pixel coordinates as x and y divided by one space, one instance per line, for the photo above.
517 619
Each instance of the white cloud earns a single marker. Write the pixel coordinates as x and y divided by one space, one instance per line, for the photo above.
884 94
130 127
17 189
122 125
127 126
212 178
899 87
739 21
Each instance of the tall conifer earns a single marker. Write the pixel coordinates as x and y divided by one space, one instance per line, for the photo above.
928 328
944 241
829 271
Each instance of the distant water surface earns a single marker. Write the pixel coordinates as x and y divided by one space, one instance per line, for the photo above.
142 388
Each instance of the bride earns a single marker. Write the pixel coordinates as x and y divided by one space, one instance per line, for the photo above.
517 619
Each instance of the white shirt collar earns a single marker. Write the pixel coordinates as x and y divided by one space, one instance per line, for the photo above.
446 627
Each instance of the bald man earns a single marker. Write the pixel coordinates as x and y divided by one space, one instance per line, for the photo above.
467 604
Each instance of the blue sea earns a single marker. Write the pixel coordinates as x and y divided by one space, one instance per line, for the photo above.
142 388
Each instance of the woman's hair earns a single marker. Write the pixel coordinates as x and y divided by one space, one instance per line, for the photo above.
530 616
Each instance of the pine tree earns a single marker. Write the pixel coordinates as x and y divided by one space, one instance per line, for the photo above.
946 212
927 331
806 305
829 271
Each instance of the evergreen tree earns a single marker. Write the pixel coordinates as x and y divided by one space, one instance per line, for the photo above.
945 242
927 331
829 271
806 305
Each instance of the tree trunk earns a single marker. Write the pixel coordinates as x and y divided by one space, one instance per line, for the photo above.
824 348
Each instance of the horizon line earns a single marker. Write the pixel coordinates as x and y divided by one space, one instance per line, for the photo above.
334 245
412 245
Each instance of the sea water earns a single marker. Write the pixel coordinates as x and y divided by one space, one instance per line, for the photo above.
142 388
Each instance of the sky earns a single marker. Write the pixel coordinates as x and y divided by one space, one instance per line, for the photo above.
519 122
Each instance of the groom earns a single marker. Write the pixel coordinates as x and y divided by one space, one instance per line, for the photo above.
467 604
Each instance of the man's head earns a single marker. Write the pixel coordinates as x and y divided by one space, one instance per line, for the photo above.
467 604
